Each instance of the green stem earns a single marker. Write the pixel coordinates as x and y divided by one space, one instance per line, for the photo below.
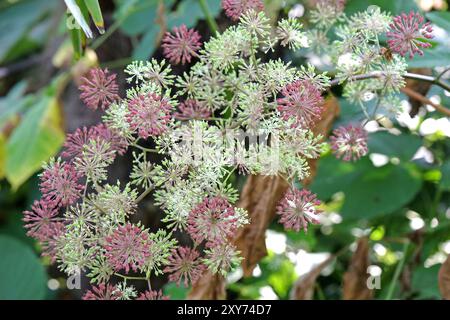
129 277
209 18
398 271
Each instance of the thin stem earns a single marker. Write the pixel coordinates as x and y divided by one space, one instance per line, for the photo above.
129 277
417 96
229 174
398 271
144 194
408 75
209 18
145 149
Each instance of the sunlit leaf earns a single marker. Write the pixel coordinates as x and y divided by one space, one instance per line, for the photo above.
35 140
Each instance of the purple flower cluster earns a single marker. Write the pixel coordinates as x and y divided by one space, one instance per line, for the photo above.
301 102
213 220
298 208
349 143
234 9
181 45
149 115
128 247
407 32
99 89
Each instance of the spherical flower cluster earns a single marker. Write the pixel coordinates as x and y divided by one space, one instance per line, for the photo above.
301 102
41 221
60 183
192 110
128 247
406 34
152 295
213 220
234 9
185 265
99 89
297 209
349 143
76 141
103 292
149 114
181 45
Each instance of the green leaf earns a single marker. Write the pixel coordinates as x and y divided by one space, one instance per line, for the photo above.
175 292
369 191
425 282
13 103
380 191
22 276
394 7
189 12
17 19
137 16
96 13
147 45
445 179
440 18
434 57
37 138
402 146
79 17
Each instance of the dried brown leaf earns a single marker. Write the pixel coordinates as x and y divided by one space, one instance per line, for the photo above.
260 197
444 279
355 279
209 287
303 288
420 87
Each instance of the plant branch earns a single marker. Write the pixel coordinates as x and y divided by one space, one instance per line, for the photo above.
417 96
430 79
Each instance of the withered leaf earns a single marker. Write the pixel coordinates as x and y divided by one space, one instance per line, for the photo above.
260 197
444 279
421 87
209 287
355 278
303 288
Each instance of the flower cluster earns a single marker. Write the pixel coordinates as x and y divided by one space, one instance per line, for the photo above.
349 143
232 112
298 208
406 33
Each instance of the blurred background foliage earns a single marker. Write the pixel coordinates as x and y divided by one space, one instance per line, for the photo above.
397 197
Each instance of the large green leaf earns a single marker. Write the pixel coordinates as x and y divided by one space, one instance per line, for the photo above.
394 7
37 138
441 19
425 282
369 191
17 19
22 276
434 57
380 191
138 16
77 14
402 146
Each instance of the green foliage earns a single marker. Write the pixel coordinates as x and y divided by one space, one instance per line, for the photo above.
34 140
369 191
17 21
22 275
